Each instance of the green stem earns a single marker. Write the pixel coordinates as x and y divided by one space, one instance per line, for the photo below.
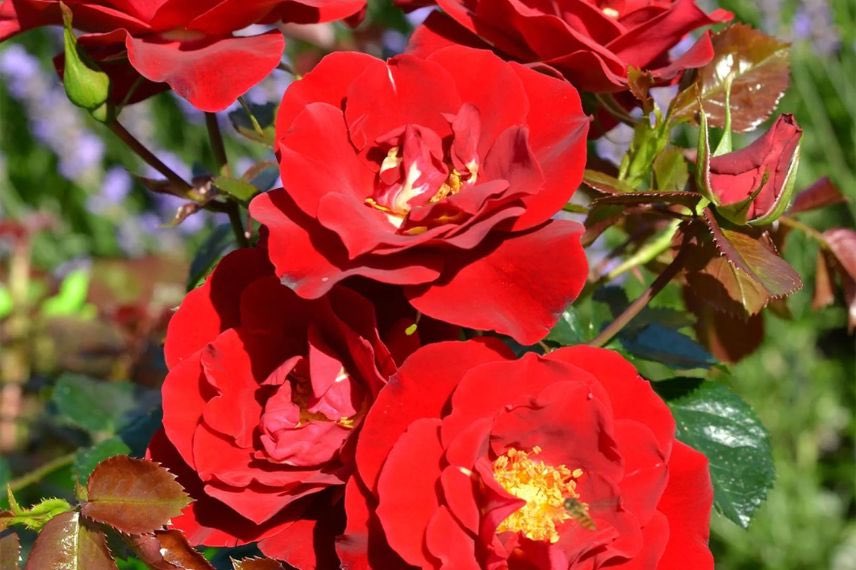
806 229
148 156
615 109
218 147
234 212
41 472
255 122
646 253
642 301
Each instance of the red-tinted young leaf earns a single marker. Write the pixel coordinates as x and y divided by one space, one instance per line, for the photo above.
133 495
757 257
68 541
640 83
169 550
10 551
729 338
824 293
821 193
842 243
256 564
759 67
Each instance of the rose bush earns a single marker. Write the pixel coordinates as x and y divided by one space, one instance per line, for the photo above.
427 174
592 43
754 184
191 46
470 459
263 394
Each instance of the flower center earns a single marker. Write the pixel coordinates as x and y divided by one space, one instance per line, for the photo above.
421 169
547 489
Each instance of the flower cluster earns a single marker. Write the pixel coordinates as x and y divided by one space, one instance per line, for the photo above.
320 400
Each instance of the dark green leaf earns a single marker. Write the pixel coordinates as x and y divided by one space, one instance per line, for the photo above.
219 242
87 458
93 405
258 124
235 187
68 542
714 420
141 427
134 496
667 346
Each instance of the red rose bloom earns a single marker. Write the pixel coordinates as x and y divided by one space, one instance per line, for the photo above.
188 45
591 42
473 460
263 394
754 184
440 175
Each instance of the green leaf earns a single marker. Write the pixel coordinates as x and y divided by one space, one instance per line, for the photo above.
36 516
69 542
5 302
235 187
667 346
219 242
10 551
757 65
605 183
87 459
92 405
85 84
670 170
133 496
570 330
71 298
714 420
256 122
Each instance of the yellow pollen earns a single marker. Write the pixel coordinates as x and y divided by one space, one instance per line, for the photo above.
545 488
450 187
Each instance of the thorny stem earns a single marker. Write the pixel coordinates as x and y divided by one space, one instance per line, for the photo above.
640 303
234 212
147 155
41 472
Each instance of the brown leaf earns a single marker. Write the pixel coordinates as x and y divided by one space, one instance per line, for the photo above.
133 495
169 550
759 65
640 82
256 564
824 294
821 193
10 551
69 542
729 338
842 244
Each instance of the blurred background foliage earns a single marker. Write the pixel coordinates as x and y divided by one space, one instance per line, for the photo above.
105 254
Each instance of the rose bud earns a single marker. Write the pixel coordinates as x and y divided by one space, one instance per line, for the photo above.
754 185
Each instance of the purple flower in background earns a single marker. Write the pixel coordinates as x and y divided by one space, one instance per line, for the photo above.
814 24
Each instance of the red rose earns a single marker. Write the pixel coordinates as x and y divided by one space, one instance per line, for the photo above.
473 460
591 42
755 184
263 394
188 45
440 175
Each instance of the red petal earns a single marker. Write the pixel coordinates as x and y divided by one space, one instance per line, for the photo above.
211 76
448 542
517 287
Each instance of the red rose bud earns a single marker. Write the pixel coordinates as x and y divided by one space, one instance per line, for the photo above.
591 42
473 459
264 393
422 174
188 45
753 185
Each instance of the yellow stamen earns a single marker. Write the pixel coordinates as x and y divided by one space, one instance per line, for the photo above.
545 488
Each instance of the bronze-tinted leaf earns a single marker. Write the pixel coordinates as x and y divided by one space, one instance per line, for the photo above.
640 82
133 495
842 243
69 542
821 193
824 294
169 550
729 338
256 564
759 69
10 551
